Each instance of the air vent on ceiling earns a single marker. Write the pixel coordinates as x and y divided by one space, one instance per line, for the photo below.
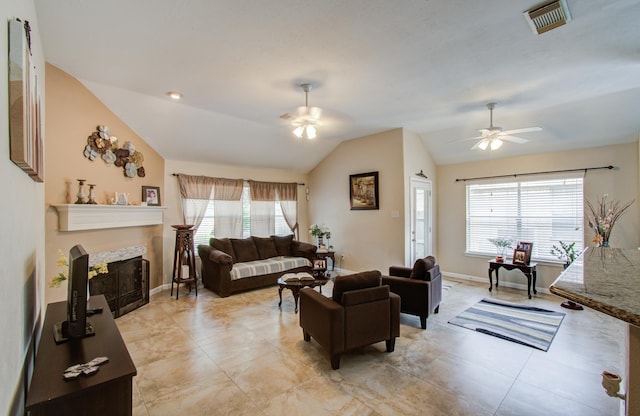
547 16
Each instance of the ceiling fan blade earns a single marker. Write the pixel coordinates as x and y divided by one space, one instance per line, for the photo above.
472 138
514 139
523 130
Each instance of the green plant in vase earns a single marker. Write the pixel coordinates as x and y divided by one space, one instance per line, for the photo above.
566 252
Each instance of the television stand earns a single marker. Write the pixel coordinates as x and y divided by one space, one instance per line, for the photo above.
107 392
60 329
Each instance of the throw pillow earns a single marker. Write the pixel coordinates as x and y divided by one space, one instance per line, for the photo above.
356 281
245 249
224 245
283 244
421 266
266 247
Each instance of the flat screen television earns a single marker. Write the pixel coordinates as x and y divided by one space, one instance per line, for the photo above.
76 325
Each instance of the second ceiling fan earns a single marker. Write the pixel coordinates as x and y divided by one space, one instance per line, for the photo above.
493 136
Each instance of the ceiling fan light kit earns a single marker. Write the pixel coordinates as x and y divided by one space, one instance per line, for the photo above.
307 118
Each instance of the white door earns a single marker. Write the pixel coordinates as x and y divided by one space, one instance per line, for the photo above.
420 218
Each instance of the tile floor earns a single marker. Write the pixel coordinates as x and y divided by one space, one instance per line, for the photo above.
242 355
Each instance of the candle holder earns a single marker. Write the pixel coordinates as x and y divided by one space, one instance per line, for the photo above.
80 194
92 197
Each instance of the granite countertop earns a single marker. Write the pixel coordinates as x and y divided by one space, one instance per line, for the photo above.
604 279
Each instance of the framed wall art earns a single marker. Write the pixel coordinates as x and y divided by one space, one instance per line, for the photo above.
151 195
25 130
363 191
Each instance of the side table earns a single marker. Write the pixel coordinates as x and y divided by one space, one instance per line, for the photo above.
529 271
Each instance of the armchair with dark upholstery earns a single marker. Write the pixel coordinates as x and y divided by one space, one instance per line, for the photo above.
420 287
361 312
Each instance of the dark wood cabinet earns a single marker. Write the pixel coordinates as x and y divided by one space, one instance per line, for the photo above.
108 392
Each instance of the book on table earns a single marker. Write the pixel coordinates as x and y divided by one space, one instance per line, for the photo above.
297 277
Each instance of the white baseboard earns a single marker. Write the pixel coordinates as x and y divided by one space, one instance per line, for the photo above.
486 280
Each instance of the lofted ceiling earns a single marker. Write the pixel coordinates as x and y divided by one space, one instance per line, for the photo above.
429 66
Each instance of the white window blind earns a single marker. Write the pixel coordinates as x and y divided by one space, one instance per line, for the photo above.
207 228
541 212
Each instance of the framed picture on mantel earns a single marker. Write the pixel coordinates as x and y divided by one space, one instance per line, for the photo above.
151 195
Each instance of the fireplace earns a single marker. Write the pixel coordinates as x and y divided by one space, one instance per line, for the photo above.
126 285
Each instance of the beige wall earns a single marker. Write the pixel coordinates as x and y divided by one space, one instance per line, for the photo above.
72 114
22 242
620 184
416 159
369 239
173 214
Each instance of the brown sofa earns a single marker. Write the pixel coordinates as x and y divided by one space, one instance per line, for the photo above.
232 265
420 287
360 312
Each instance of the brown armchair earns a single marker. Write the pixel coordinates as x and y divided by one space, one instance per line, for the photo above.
361 312
420 287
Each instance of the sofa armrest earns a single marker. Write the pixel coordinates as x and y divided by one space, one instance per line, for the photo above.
400 271
216 266
433 273
323 319
302 249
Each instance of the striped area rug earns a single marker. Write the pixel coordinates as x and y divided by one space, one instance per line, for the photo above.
524 324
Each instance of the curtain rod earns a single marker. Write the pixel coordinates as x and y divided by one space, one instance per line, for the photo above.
535 173
299 184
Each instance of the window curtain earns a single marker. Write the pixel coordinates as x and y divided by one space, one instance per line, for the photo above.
195 193
227 207
263 208
263 199
287 194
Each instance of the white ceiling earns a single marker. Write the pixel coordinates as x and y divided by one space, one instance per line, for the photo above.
429 66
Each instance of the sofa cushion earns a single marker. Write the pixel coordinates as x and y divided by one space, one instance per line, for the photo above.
224 245
266 247
355 281
421 266
245 249
283 244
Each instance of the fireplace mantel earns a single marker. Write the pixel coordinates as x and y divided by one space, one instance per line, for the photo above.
72 217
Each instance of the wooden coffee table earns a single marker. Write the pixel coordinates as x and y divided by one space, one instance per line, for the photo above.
295 287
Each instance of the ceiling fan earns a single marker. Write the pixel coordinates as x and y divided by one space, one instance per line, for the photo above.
307 119
492 137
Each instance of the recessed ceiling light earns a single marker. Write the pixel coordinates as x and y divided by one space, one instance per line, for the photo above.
174 95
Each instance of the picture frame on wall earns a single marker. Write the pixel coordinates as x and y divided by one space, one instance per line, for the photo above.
25 129
526 247
151 195
363 191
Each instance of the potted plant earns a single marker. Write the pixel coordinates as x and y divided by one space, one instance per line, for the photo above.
502 244
565 252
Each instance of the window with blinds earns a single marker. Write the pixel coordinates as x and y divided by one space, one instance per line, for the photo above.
542 212
207 228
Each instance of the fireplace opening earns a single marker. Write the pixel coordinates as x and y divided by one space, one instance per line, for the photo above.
125 286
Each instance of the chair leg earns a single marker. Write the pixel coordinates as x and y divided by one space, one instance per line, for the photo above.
335 361
306 335
391 344
423 322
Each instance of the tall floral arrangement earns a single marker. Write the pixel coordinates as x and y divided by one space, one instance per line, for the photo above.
63 261
603 216
318 230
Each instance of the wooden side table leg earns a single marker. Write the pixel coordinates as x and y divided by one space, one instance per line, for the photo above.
296 295
534 273
490 279
529 284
